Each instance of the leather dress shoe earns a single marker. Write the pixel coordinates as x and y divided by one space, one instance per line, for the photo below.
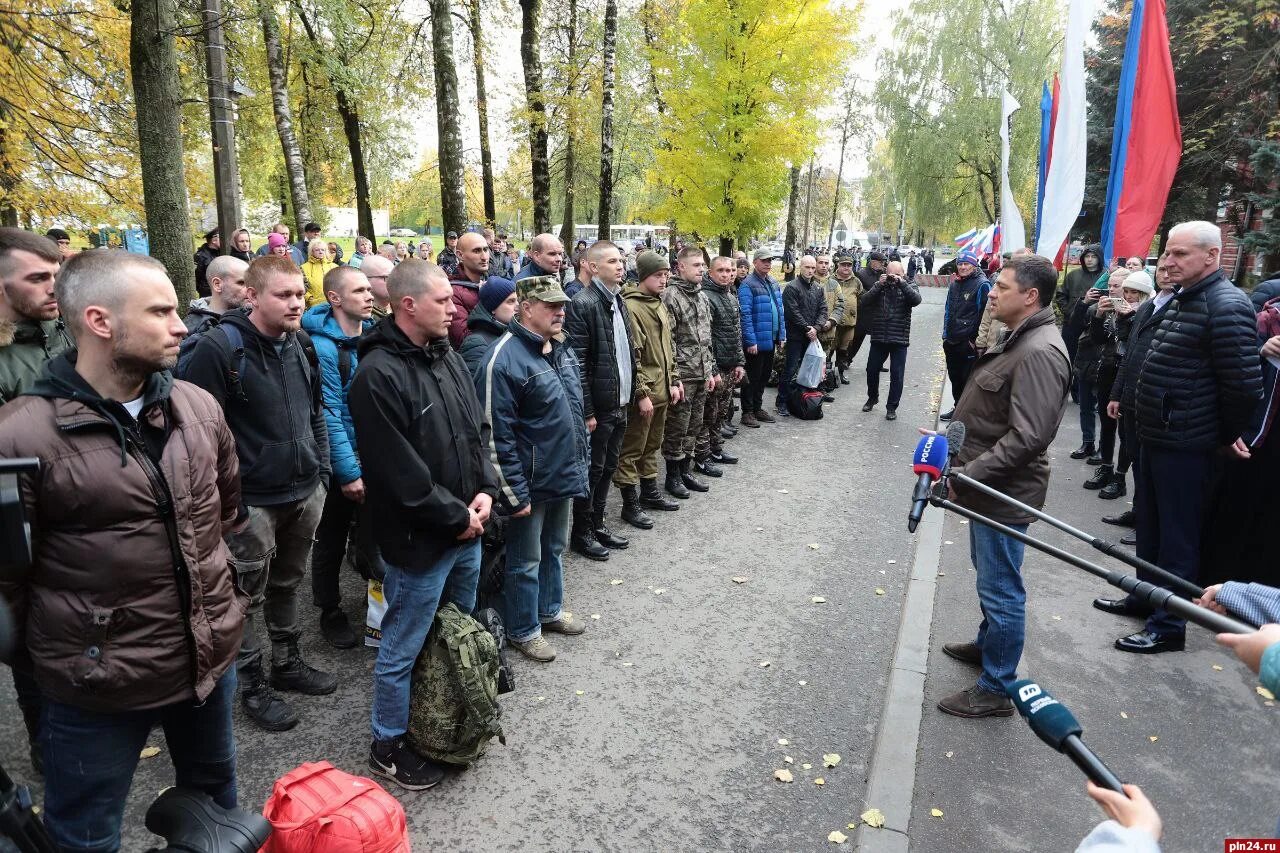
1121 607
1131 539
963 652
1128 518
976 702
1147 643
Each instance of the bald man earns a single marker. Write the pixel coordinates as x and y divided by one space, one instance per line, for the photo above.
546 257
473 271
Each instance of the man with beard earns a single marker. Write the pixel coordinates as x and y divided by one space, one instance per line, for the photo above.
30 331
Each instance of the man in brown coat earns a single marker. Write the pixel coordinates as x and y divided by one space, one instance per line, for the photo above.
1011 406
128 613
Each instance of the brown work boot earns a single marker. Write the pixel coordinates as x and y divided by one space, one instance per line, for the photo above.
976 702
764 417
963 652
749 420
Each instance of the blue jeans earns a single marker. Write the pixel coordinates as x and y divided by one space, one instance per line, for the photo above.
412 599
534 587
796 349
90 757
998 561
1087 393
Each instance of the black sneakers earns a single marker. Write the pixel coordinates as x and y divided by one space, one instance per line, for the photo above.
396 761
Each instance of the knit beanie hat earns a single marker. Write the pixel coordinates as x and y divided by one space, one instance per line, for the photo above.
648 263
1140 281
495 291
967 257
274 240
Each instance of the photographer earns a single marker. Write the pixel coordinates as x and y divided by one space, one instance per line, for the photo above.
891 298
128 610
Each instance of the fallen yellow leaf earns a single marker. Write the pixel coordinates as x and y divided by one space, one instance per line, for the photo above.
1153 738
831 759
1265 693
615 581
853 826
873 817
819 781
949 754
806 766
783 742
837 836
935 812
1123 715
783 775
738 580
595 615
817 599
627 663
813 546
150 752
659 591
764 664
580 692
879 591
1057 619
788 759
802 682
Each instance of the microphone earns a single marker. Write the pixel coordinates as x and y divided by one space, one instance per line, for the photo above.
955 438
1056 726
928 461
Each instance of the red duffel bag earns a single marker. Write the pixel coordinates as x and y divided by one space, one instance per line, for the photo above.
317 808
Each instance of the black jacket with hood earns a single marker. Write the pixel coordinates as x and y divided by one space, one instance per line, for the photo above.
416 411
1076 285
271 399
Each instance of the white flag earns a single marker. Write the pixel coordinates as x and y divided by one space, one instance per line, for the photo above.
1013 234
1064 184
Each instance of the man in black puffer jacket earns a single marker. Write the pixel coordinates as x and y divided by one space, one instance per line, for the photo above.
892 298
1196 390
598 328
726 348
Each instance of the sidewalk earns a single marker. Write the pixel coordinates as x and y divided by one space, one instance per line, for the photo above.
1199 740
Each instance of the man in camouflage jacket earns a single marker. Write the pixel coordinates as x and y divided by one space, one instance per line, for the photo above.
691 333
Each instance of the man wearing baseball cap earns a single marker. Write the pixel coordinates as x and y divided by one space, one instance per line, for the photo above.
763 331
536 414
448 257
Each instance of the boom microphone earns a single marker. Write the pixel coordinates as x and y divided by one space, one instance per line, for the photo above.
955 438
928 461
1056 726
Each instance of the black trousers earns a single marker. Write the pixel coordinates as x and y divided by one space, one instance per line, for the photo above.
332 535
1169 507
960 357
897 356
606 445
758 368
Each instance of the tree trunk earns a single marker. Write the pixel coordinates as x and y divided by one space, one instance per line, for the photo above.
571 126
808 204
157 95
539 167
609 50
651 41
482 110
351 128
726 246
793 202
844 142
293 164
453 194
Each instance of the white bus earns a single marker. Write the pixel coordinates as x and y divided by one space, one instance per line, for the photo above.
625 235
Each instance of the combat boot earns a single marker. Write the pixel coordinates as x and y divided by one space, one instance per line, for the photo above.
631 511
691 482
675 482
260 702
651 497
294 674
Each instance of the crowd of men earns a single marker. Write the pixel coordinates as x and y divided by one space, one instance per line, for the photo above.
393 408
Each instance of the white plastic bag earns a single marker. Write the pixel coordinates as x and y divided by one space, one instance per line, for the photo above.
373 617
812 367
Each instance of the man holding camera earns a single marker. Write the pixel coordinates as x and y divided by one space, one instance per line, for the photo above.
892 299
128 611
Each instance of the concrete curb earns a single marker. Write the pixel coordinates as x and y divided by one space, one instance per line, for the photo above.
892 778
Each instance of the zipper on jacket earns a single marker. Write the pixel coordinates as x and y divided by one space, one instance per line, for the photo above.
168 515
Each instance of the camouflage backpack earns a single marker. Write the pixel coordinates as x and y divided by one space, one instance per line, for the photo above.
453 697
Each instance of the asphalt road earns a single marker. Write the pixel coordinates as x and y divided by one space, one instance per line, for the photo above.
659 729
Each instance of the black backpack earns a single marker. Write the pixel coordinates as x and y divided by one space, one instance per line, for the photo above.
805 403
235 360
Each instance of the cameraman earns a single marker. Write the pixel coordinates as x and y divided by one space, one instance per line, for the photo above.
128 611
892 299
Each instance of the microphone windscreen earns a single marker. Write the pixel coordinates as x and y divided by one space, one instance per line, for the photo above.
955 436
930 455
1048 718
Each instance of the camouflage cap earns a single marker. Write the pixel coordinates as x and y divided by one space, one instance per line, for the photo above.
544 288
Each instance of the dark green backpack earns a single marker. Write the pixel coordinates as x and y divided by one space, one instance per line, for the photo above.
453 697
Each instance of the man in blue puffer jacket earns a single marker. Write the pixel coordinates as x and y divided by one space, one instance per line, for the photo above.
335 329
763 330
530 389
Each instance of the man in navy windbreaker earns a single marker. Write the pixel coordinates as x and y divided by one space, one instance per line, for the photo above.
531 392
763 330
335 330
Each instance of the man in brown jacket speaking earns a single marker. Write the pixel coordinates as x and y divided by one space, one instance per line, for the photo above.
1012 406
128 614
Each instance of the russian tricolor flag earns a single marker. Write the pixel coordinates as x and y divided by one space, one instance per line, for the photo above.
1147 141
